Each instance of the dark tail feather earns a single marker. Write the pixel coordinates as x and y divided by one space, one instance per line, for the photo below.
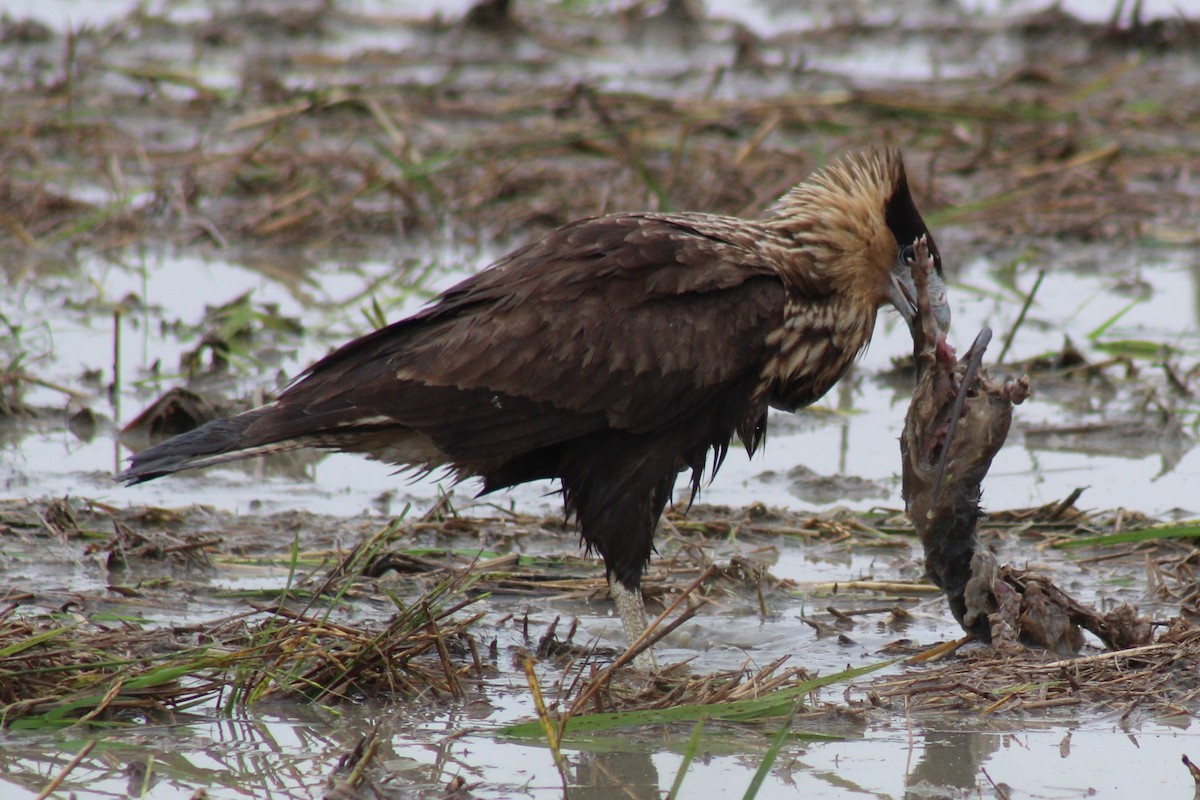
212 443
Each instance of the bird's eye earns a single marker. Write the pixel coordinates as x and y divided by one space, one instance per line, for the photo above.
907 255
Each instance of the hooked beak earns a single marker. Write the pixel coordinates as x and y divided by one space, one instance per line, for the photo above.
902 293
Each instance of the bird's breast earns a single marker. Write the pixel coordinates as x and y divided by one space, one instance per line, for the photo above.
812 350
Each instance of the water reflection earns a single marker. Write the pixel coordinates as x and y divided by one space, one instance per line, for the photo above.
949 759
603 775
422 750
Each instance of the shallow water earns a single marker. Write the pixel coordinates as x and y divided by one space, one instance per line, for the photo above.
288 750
289 753
853 432
876 41
848 444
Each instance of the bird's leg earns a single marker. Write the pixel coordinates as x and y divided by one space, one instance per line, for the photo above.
632 610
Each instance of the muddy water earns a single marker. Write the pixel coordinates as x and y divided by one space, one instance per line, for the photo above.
290 751
1073 433
1122 438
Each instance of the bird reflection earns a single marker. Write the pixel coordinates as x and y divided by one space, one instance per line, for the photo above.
950 759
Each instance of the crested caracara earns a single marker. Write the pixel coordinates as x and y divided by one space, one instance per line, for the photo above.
611 354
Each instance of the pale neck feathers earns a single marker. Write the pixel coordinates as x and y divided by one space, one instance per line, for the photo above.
838 216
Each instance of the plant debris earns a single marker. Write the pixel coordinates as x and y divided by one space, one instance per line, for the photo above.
1154 679
64 661
361 147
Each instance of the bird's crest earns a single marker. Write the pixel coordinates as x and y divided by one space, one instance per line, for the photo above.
860 185
851 216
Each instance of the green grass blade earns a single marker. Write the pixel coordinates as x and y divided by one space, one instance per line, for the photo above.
772 704
764 768
688 756
1172 531
1136 348
34 640
1108 323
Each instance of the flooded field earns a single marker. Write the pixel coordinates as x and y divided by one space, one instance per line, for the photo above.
211 196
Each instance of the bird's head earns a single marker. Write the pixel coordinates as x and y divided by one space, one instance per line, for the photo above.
858 222
905 223
902 291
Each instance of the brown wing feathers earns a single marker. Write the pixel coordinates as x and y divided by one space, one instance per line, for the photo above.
565 359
